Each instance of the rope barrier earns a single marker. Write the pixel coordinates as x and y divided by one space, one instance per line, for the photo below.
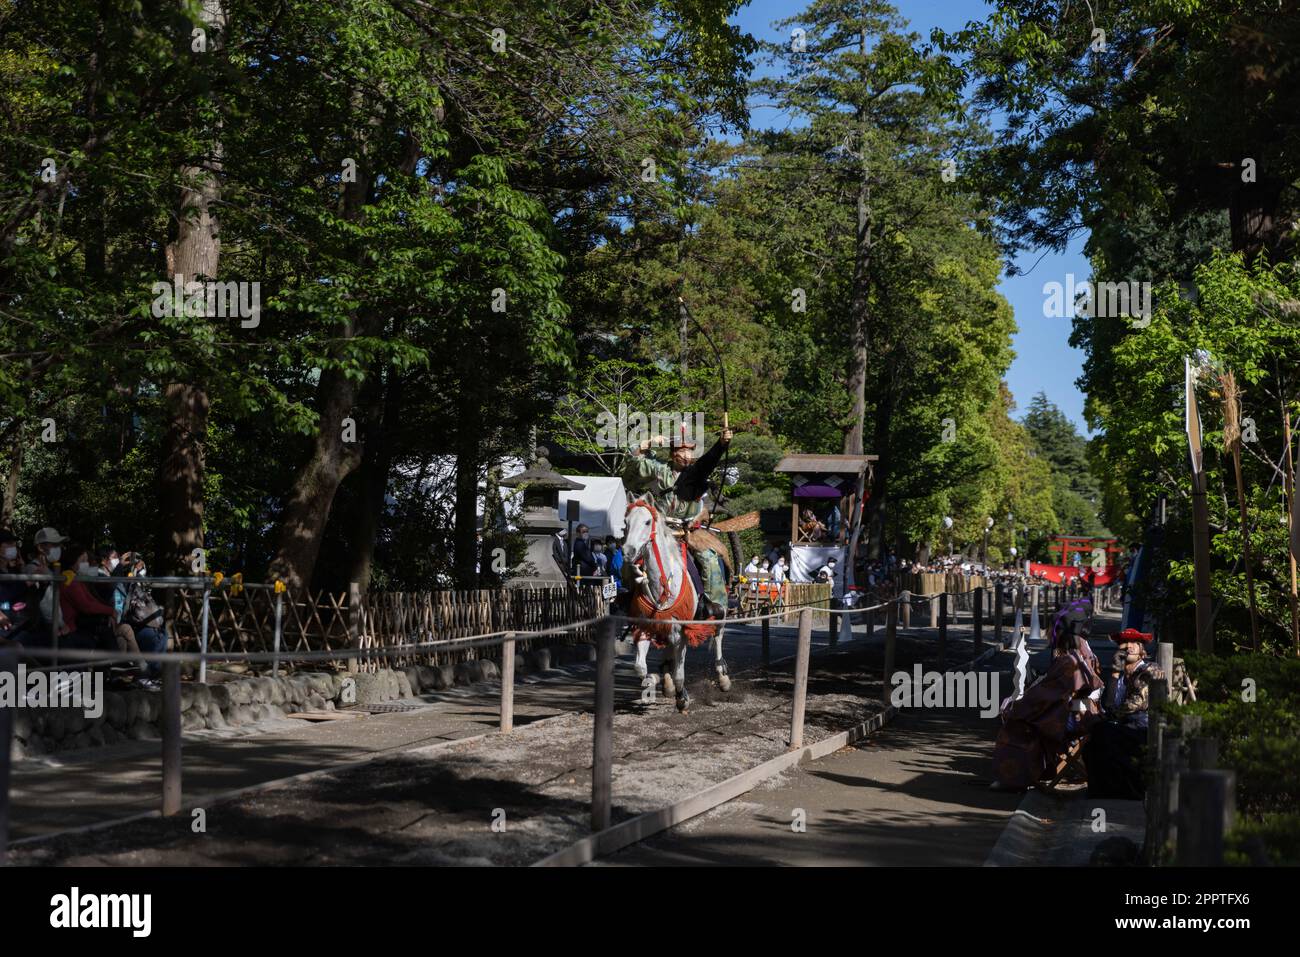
488 639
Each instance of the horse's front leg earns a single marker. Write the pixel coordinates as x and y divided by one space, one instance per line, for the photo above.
720 663
679 645
642 671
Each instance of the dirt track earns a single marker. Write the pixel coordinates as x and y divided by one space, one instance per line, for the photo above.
439 806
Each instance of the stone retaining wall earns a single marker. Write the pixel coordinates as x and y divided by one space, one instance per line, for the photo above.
235 701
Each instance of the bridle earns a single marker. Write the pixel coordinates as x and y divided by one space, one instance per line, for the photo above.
660 605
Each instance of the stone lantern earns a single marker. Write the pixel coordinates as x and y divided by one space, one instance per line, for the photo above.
541 518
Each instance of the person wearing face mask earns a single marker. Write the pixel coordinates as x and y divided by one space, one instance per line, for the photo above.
49 552
11 563
1116 745
779 571
138 612
46 560
17 605
584 559
87 622
105 561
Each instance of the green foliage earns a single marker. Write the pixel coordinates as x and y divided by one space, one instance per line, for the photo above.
1277 834
1242 318
1075 491
1259 738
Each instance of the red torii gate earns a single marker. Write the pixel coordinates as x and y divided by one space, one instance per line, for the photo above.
1065 546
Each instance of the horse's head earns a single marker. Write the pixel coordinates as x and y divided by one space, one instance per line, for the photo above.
641 523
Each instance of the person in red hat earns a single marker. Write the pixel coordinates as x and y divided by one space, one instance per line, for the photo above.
1115 747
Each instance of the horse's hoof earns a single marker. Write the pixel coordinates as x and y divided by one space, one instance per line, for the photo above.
647 681
683 705
669 687
724 682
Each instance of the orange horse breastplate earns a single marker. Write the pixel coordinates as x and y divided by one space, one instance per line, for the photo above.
683 609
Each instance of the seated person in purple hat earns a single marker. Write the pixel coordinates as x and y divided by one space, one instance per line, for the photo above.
1039 728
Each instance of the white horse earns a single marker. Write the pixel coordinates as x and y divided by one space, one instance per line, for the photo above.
664 591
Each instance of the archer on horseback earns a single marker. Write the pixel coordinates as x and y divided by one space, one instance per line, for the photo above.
678 487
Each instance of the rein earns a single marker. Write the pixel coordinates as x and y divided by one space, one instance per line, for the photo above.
660 605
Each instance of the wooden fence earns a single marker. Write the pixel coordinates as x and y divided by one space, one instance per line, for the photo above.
816 594
933 583
325 621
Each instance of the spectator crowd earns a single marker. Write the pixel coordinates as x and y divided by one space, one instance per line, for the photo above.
117 614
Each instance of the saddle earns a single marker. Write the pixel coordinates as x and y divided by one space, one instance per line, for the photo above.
702 540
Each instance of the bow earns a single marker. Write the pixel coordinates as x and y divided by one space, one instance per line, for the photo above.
726 405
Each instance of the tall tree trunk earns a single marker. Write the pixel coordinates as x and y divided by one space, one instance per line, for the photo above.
332 459
1253 218
376 462
195 255
875 520
180 485
468 462
860 295
11 482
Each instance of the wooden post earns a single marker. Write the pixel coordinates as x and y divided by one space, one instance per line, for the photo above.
1165 661
1156 795
602 746
891 643
203 631
801 679
1171 766
767 642
1207 801
1202 754
979 620
832 629
279 630
871 623
943 632
8 665
1201 558
906 599
354 622
997 614
934 612
171 738
508 683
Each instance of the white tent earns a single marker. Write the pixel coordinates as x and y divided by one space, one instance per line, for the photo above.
602 504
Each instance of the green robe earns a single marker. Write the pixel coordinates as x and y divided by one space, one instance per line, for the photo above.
646 474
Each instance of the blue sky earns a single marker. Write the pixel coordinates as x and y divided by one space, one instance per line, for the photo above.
1044 361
